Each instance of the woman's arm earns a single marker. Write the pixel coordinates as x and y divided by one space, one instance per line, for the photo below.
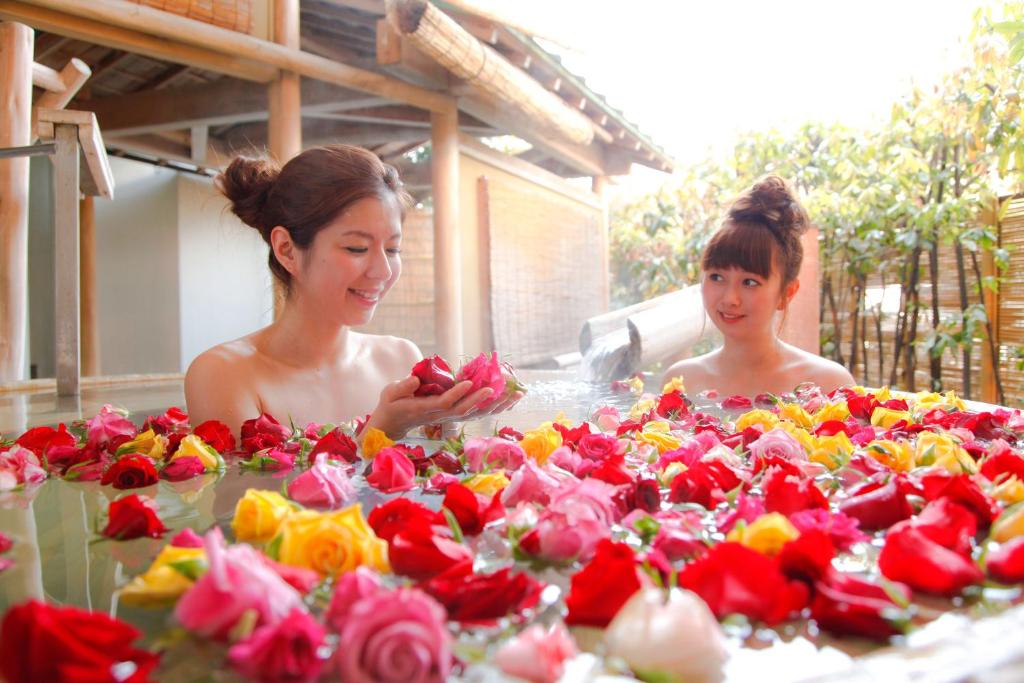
217 389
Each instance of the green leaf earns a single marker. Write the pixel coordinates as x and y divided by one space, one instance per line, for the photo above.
191 569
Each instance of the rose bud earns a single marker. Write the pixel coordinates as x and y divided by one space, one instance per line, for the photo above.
435 376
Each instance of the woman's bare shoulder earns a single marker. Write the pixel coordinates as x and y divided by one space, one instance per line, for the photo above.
826 373
219 383
695 372
386 351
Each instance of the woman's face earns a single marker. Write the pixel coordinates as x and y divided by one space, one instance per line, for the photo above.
353 261
740 303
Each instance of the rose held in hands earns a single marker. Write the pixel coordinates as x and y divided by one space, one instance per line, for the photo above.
435 376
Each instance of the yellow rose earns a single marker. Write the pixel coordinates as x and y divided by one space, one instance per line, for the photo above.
886 417
162 584
258 515
883 395
662 441
193 446
767 534
636 385
671 471
1009 491
832 411
896 455
331 543
641 408
1009 524
759 416
540 443
147 443
832 451
927 400
674 384
374 441
795 414
859 390
805 438
487 484
942 451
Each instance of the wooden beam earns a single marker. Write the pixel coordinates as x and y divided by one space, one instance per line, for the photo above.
47 44
147 20
87 286
247 137
198 143
46 78
73 76
15 131
444 168
96 31
168 77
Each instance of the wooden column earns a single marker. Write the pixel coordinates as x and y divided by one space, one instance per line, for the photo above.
87 285
599 186
16 42
66 184
444 170
801 326
483 246
990 347
284 128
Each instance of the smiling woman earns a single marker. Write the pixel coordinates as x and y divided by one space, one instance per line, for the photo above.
332 217
750 270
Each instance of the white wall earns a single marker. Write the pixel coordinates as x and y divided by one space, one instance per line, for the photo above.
224 284
41 301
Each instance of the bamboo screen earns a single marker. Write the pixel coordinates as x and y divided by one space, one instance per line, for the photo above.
875 360
232 14
546 272
408 309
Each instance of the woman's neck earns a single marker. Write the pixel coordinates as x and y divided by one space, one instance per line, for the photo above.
301 338
752 354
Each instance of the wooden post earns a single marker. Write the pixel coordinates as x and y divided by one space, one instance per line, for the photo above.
483 242
16 42
65 220
284 128
87 287
989 389
599 186
801 327
444 170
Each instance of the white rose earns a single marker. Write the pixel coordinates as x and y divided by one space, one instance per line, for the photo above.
668 635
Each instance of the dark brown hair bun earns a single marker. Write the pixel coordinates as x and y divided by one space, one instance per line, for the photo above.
772 202
247 184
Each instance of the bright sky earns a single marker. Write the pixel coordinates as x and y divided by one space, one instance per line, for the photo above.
693 74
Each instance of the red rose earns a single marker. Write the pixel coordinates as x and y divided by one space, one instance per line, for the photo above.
672 405
473 512
787 493
861 407
5 543
510 434
174 420
39 439
263 432
421 551
337 445
601 588
949 524
737 402
133 517
962 489
130 472
1005 564
733 579
69 645
217 435
598 446
1005 462
706 483
833 427
183 468
435 376
910 556
646 495
571 437
846 605
482 598
807 557
389 518
878 506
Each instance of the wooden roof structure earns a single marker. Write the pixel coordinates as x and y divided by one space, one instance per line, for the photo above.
186 103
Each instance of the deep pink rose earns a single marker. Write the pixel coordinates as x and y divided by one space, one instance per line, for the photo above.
494 452
183 468
599 446
263 432
484 373
747 509
187 538
395 637
577 518
236 581
349 589
737 402
322 486
435 376
337 445
108 428
392 471
842 530
285 652
536 654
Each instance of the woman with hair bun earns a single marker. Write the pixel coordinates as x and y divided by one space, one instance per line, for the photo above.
750 270
332 217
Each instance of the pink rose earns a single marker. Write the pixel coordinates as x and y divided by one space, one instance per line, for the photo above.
778 442
322 486
484 373
607 418
19 467
183 468
392 471
395 637
236 581
600 446
440 482
348 590
536 654
285 652
186 538
494 452
747 509
579 515
530 484
569 460
109 427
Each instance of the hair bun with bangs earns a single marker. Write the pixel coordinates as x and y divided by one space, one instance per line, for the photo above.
771 202
247 184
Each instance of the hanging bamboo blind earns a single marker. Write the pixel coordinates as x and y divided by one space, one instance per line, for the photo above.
1011 300
232 14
